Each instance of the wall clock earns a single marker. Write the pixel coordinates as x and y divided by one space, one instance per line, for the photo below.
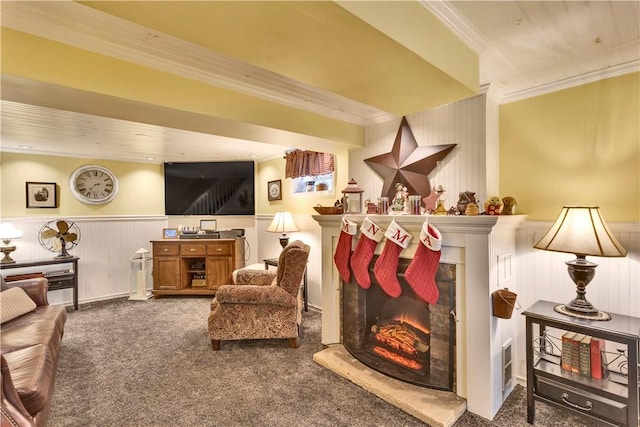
274 190
93 184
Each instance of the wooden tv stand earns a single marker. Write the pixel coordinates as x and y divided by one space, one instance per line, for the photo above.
195 267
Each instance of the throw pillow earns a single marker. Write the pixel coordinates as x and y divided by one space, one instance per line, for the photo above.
14 302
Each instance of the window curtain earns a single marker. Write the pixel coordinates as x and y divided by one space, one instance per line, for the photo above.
307 163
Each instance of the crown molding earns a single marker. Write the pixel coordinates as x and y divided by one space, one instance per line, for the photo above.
605 73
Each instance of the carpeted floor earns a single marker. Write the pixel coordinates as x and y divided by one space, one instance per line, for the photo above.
132 363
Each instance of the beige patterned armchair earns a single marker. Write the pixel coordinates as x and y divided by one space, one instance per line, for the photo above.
261 304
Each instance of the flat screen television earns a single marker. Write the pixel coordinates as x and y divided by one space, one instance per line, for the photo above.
209 188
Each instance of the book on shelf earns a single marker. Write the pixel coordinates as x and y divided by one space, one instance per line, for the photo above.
575 352
585 356
596 358
566 350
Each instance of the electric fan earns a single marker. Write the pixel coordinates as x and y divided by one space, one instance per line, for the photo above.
60 235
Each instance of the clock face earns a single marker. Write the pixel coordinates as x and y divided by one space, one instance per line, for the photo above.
93 184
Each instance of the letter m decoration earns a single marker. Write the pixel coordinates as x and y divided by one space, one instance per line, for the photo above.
400 237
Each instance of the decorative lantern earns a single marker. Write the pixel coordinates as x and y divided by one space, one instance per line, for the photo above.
352 200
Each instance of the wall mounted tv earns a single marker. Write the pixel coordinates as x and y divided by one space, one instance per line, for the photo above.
209 188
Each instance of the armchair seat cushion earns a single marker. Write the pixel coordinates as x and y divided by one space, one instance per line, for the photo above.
255 294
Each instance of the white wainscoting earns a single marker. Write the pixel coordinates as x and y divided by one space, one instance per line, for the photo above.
105 245
542 275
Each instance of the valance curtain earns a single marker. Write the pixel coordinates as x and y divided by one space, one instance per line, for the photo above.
307 163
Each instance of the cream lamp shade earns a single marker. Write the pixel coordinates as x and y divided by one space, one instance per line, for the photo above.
581 230
283 223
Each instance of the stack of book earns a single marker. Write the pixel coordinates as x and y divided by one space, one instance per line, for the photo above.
583 354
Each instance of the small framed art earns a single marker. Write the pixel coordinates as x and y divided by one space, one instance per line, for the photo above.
208 224
169 233
274 190
42 195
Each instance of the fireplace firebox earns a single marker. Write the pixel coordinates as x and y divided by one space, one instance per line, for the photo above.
405 338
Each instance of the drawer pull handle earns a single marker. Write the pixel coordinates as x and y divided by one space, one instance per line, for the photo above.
165 250
219 250
192 250
588 406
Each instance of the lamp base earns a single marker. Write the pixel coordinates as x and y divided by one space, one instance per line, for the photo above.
564 309
6 250
284 241
581 272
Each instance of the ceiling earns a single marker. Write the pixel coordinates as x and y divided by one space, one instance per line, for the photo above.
229 80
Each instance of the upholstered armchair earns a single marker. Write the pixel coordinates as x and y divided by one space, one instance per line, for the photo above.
261 304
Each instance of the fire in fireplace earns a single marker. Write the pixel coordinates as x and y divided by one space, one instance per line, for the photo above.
405 337
401 335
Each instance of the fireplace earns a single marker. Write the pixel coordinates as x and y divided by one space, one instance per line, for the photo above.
405 337
473 245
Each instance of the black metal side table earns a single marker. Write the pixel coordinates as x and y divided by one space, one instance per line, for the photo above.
274 262
62 280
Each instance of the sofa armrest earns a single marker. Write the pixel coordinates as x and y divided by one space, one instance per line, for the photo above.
36 289
254 294
247 276
13 411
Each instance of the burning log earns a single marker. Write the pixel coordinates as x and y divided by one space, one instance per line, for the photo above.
398 359
400 338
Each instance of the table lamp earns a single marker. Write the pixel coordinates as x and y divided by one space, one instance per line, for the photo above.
282 223
8 233
580 230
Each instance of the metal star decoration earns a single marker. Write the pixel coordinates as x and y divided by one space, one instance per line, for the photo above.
407 163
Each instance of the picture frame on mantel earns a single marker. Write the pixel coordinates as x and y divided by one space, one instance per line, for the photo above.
41 194
274 190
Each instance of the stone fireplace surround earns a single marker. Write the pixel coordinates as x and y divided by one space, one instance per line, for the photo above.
474 244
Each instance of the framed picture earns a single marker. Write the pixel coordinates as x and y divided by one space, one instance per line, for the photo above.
169 233
274 190
208 224
42 195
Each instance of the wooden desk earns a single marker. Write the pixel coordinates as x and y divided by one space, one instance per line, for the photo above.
274 262
56 281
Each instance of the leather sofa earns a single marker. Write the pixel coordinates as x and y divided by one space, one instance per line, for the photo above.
30 349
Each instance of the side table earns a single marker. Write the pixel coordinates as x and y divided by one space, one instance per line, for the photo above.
605 401
63 280
274 262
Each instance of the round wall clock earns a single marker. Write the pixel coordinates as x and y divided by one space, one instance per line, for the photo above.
93 184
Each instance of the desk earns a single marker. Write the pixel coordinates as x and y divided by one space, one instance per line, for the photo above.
274 262
56 281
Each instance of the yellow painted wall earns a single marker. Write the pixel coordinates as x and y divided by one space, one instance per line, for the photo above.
301 203
577 146
141 186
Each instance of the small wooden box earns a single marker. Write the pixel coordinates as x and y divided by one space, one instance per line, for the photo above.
198 283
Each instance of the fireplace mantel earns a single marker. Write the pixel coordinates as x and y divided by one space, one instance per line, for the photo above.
474 244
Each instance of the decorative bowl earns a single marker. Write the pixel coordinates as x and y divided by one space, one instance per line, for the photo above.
328 210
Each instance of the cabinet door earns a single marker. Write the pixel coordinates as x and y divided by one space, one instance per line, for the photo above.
166 272
218 271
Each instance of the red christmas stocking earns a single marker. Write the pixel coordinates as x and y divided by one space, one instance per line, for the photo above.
421 274
386 266
343 250
370 236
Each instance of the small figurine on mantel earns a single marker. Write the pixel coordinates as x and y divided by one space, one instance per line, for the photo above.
466 198
431 200
399 202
